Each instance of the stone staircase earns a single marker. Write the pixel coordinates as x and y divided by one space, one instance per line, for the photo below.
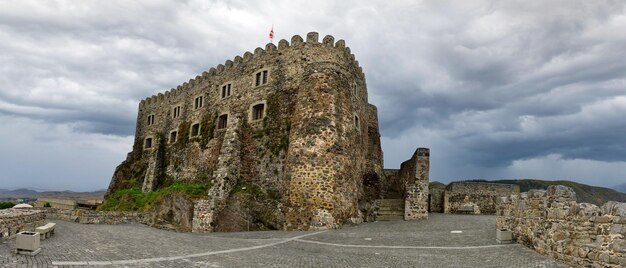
389 209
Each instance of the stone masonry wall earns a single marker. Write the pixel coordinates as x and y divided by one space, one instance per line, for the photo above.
414 174
88 216
483 195
551 222
436 199
13 221
315 143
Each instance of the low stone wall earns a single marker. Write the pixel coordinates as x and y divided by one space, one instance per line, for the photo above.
94 217
552 222
480 196
13 221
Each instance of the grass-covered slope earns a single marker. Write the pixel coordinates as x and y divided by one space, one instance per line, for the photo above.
134 199
584 193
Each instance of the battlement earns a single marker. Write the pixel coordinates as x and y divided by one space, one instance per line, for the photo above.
270 50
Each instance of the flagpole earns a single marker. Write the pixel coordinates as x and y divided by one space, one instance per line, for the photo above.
272 34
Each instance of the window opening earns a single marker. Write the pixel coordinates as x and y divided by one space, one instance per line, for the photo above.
222 121
257 111
195 130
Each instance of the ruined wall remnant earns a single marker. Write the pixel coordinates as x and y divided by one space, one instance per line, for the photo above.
551 222
475 197
292 120
414 175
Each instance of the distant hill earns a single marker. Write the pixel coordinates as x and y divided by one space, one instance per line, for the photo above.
28 193
620 188
584 193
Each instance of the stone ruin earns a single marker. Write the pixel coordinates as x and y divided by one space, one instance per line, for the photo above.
472 197
291 124
551 222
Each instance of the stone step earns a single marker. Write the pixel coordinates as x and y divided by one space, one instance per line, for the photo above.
398 208
390 218
389 214
390 201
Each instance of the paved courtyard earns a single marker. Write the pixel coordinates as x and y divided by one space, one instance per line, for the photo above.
427 243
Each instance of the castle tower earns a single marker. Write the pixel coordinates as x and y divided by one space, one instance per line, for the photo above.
292 120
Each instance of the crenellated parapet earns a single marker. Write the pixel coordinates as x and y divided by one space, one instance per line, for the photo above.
270 50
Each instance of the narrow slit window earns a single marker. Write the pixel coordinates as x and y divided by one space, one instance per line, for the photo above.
222 121
357 124
198 103
195 130
176 112
264 77
150 119
173 136
257 111
148 143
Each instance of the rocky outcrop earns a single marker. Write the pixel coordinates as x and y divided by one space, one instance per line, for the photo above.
552 222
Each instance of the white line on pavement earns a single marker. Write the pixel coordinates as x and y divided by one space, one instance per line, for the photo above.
398 247
173 258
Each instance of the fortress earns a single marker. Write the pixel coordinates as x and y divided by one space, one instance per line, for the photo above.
290 124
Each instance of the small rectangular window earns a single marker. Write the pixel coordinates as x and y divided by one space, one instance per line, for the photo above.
261 78
198 103
222 121
176 112
150 119
195 130
173 136
148 143
226 90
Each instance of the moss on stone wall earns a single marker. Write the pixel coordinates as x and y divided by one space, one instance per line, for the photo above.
275 125
207 126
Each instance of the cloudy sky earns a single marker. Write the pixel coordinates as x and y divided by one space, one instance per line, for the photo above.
496 89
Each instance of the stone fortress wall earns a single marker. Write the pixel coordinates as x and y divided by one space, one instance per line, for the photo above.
552 222
292 119
459 196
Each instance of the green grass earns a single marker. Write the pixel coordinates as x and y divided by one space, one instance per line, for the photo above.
134 199
4 205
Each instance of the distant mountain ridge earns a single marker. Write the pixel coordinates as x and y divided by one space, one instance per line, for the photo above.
584 193
620 188
28 193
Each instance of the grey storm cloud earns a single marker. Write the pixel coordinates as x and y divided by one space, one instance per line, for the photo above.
494 88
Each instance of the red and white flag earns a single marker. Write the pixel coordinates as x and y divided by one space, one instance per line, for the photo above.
272 33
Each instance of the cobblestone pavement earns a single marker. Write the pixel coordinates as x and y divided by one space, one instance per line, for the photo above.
426 243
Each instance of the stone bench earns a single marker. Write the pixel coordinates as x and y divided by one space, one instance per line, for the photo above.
46 231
